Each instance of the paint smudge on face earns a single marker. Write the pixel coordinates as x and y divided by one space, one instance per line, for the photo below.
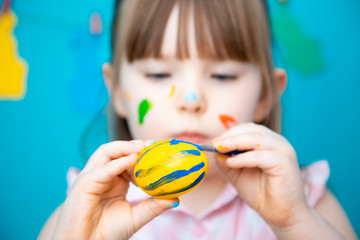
128 96
227 121
172 91
144 108
191 96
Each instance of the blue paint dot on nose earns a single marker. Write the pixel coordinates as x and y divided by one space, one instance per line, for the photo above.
175 204
191 96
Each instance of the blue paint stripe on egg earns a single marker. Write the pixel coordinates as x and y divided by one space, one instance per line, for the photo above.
190 152
175 142
145 172
173 176
196 182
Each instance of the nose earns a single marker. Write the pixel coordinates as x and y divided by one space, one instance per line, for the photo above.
191 102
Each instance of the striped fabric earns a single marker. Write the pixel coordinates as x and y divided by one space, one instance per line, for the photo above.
228 218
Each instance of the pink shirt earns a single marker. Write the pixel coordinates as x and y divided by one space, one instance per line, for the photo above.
228 218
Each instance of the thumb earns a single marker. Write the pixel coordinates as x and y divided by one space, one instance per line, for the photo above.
221 164
148 209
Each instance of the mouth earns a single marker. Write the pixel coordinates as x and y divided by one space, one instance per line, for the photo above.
192 137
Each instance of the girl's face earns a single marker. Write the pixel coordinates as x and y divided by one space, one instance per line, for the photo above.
193 99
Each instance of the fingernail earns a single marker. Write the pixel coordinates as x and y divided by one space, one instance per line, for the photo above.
138 146
132 155
174 205
150 143
230 159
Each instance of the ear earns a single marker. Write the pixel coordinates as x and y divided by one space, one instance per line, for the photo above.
264 106
282 79
114 90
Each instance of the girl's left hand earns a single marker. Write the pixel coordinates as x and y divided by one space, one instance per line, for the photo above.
267 176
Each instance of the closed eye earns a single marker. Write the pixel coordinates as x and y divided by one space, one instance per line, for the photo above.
158 76
224 77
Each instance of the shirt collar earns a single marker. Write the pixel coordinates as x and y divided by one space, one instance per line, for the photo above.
136 195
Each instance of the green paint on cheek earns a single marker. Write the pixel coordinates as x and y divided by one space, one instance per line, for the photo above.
144 108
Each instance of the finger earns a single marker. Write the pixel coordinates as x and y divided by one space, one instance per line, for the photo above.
130 173
250 141
246 127
149 142
266 160
148 209
113 150
221 163
97 180
115 168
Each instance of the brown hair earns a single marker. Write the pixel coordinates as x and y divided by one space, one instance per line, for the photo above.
225 29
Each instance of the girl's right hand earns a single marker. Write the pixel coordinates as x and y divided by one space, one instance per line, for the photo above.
96 207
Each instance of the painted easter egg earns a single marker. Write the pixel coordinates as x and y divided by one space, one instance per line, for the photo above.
170 168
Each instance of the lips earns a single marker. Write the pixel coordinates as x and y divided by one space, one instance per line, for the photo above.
192 137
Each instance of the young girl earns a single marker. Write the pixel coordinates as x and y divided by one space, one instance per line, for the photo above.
199 71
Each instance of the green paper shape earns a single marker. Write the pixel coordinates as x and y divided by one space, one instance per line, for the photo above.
144 108
301 51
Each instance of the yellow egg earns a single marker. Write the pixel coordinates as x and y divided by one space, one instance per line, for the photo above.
170 168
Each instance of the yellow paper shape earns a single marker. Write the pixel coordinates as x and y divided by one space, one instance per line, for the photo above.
13 69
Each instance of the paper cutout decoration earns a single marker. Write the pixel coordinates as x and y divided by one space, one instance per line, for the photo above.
301 50
13 69
96 25
170 168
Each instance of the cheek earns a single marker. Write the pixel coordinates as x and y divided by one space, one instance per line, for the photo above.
240 107
143 109
146 114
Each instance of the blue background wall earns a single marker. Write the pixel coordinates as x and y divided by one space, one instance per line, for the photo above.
40 134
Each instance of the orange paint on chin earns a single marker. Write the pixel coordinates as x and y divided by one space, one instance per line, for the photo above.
227 121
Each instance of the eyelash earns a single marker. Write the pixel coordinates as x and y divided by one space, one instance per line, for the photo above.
219 77
224 77
158 76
